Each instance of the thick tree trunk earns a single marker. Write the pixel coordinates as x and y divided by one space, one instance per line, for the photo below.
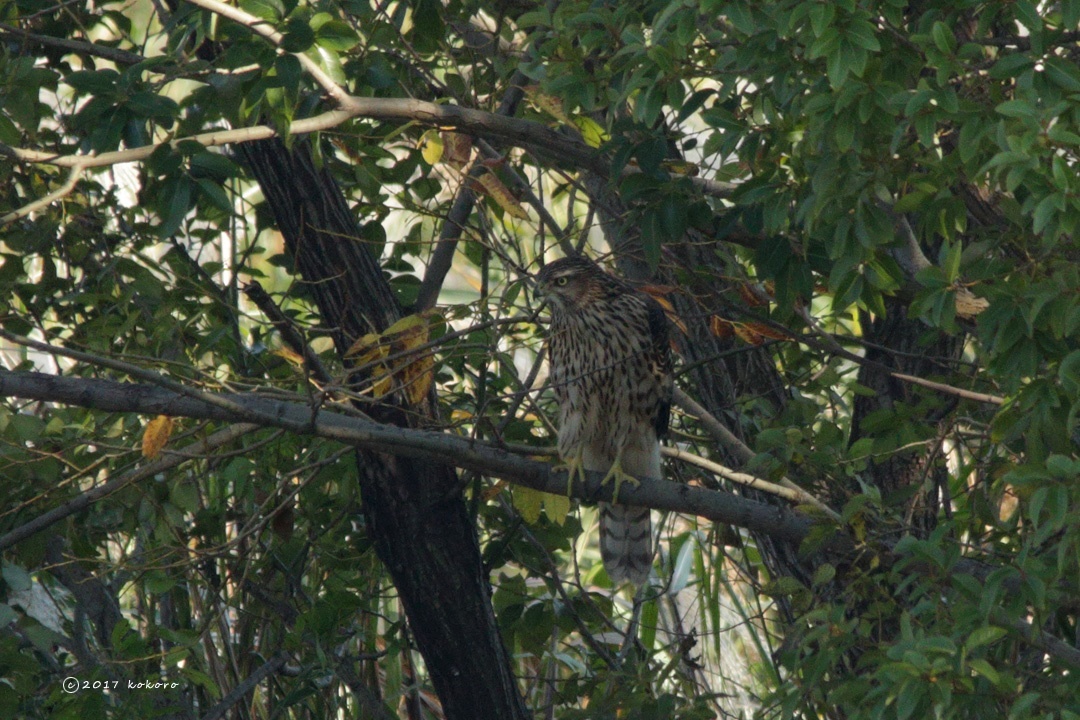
413 508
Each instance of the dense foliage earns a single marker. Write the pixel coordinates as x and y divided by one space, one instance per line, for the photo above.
861 215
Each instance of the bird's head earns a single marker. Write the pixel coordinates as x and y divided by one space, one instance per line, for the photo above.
570 283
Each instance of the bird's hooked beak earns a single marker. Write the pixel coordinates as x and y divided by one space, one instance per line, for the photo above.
541 289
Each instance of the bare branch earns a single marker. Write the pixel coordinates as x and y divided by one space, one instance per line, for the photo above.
235 695
525 133
261 27
461 452
287 330
794 494
739 450
120 57
777 522
830 343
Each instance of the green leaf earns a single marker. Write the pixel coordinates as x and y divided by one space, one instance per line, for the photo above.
175 203
153 106
863 34
673 217
334 35
16 578
783 586
329 61
1016 108
429 30
93 82
1044 212
298 36
214 194
943 38
1011 65
1069 373
528 502
986 670
984 636
951 266
269 10
9 134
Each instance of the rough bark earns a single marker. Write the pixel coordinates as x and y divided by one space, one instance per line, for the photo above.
413 508
908 478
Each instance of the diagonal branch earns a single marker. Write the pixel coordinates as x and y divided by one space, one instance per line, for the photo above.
82 47
779 523
441 447
237 694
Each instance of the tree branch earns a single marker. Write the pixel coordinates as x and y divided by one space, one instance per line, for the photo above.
120 57
237 693
493 461
777 522
525 133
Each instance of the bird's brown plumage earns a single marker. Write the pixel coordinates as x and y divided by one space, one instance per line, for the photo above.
611 372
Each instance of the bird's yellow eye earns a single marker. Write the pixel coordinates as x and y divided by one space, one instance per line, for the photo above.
562 281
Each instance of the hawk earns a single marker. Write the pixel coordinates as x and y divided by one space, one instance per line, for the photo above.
611 372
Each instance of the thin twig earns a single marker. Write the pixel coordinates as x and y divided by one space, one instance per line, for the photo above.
795 495
290 335
835 347
120 57
735 446
237 693
77 171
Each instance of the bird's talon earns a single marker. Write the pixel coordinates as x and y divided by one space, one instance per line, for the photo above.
574 466
618 477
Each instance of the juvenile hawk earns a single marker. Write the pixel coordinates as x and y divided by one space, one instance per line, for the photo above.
611 371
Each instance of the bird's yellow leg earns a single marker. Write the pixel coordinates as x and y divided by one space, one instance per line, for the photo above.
574 466
618 476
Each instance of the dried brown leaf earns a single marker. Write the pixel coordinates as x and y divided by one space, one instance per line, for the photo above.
494 188
156 435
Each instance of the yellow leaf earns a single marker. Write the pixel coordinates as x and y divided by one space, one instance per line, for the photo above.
415 371
407 323
528 502
290 355
498 192
681 167
382 381
546 103
751 298
769 331
155 436
556 507
858 528
657 293
591 132
367 347
431 146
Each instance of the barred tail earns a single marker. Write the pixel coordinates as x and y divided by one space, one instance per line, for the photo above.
626 543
